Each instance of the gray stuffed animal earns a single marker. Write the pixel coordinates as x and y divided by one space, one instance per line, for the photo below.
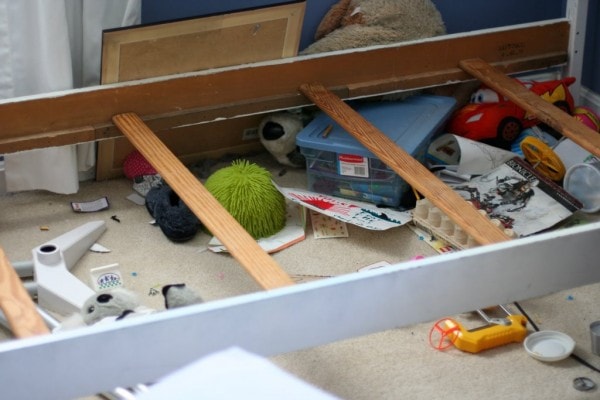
277 132
117 304
179 295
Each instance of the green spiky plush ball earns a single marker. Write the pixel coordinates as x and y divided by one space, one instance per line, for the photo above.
246 191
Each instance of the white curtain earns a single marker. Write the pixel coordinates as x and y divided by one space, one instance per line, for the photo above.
49 45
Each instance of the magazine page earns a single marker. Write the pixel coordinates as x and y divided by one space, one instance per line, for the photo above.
519 197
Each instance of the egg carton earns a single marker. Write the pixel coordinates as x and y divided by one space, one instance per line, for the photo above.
433 220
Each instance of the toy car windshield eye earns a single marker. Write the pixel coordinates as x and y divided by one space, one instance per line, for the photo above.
91 309
475 118
477 97
490 96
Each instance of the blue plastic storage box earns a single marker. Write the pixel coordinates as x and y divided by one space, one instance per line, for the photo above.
337 164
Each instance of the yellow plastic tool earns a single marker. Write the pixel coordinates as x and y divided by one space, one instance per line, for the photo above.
512 330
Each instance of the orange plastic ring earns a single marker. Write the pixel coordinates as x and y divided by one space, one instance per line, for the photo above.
445 330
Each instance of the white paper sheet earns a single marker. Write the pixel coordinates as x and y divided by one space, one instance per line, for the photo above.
364 215
233 374
470 157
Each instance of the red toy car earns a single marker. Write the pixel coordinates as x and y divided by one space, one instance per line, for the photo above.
492 118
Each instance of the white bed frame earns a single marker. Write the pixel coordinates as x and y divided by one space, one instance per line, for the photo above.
295 317
298 317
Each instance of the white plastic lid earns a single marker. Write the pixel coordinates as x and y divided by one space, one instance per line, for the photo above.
583 182
549 345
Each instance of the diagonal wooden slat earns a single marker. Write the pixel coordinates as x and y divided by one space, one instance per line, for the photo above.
533 104
18 307
413 172
263 268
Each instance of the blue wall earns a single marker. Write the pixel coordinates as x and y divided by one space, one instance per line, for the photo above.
459 16
160 10
591 67
464 16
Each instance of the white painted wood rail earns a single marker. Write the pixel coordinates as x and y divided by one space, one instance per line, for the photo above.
299 316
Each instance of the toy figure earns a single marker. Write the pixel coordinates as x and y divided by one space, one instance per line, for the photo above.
493 119
277 132
117 304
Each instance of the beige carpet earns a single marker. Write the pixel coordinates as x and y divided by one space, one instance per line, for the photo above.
394 364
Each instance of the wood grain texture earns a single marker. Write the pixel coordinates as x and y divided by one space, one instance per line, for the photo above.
261 267
268 86
200 43
533 104
195 44
190 143
412 171
17 305
52 139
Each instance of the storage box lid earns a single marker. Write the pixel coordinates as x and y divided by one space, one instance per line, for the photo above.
408 123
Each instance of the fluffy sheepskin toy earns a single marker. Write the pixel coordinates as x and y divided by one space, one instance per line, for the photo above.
361 23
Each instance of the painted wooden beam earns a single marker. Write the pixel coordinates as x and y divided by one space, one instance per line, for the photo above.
416 174
300 316
266 86
262 267
533 104
50 139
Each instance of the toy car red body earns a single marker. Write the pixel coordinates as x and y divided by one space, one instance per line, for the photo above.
494 119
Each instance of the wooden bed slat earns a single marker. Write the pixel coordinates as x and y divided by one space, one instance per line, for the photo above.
18 307
261 267
533 104
413 172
